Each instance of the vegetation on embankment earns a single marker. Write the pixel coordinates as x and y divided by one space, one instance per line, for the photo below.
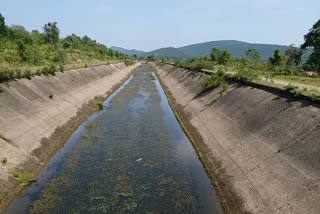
286 71
24 54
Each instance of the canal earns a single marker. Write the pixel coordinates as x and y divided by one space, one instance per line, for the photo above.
131 157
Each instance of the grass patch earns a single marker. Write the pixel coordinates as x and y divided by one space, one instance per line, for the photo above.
300 80
18 72
25 178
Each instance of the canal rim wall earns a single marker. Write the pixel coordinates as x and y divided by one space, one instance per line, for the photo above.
260 147
37 116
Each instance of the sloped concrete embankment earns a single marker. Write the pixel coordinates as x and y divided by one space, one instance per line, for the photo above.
261 147
38 115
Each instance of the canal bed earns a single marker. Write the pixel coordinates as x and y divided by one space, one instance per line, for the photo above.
132 157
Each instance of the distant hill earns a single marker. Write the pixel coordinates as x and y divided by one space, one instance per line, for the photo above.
128 52
236 48
173 53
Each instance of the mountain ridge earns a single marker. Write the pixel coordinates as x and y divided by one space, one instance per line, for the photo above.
235 47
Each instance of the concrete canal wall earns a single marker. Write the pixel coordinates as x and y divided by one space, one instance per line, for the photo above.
261 147
38 115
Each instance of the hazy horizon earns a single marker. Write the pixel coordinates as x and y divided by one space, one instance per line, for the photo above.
147 26
200 43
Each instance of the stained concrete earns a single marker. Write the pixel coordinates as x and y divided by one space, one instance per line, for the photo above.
32 111
262 146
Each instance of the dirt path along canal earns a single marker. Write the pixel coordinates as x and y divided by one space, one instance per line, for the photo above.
132 157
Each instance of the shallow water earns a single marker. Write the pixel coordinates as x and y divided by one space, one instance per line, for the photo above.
132 157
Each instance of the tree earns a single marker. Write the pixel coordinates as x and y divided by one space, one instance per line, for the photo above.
253 54
51 33
2 25
294 55
221 57
37 38
276 59
151 58
312 40
215 54
21 47
19 33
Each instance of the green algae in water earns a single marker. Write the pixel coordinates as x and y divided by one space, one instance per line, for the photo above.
136 159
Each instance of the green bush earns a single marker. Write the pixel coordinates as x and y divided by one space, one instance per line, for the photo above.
245 75
215 79
293 89
27 74
38 72
7 74
61 68
18 73
45 70
128 62
25 178
52 69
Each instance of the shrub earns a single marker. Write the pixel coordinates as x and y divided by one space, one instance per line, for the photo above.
245 75
61 68
27 74
128 62
25 178
52 69
4 75
290 87
45 70
215 79
293 89
38 72
18 73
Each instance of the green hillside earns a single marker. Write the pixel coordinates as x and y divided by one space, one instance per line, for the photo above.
126 51
170 52
236 48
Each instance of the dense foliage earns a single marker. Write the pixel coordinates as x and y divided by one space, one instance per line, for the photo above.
312 40
18 47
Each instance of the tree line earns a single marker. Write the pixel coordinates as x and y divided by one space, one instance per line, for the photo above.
21 47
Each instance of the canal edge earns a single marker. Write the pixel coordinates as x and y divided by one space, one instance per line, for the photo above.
58 140
229 200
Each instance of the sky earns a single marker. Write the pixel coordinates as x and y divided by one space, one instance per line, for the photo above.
147 25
